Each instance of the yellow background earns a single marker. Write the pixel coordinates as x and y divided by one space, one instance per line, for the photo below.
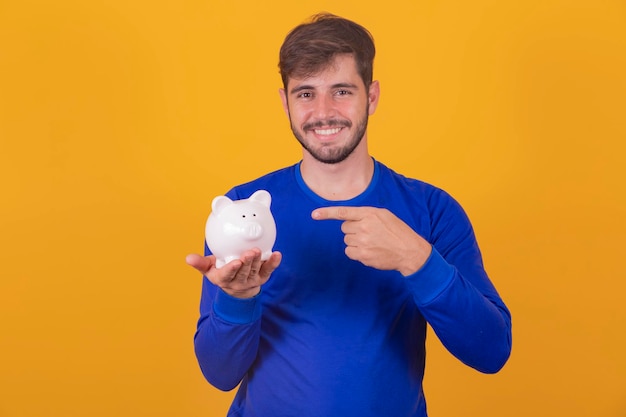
120 120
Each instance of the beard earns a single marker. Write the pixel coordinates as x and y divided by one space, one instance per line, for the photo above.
330 154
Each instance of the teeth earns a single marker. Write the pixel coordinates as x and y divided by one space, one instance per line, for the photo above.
327 131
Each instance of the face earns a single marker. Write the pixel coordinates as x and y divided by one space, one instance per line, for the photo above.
328 111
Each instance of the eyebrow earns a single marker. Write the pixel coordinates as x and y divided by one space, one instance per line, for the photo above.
310 87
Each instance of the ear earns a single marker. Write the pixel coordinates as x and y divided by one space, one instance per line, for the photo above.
262 197
220 202
283 99
372 96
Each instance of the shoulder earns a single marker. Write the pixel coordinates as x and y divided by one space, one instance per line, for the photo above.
436 203
426 192
276 182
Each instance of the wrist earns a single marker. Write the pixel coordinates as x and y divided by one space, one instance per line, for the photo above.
243 294
237 310
416 260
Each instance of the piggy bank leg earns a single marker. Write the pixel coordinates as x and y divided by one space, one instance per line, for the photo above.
226 260
266 255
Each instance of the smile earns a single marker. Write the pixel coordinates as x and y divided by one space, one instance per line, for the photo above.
324 132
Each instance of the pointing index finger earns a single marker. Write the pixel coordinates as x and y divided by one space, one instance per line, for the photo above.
337 213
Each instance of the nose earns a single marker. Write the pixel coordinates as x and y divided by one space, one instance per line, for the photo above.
324 107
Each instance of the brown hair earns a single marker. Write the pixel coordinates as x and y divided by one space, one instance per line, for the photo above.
312 46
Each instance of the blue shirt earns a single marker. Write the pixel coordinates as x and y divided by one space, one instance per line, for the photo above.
329 336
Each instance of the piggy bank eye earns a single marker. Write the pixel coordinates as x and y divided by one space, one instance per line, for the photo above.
254 214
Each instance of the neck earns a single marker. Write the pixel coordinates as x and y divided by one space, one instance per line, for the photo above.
341 181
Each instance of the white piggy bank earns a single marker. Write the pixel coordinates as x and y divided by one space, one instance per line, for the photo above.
236 226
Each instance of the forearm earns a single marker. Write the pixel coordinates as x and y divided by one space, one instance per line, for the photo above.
227 339
474 326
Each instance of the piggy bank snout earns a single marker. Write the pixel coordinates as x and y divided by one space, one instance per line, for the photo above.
252 230
241 229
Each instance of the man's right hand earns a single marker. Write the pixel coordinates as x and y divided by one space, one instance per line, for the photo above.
241 278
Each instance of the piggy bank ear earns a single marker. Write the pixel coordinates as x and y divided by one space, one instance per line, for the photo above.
262 197
220 202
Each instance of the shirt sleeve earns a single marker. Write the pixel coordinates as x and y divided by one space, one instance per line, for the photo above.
455 295
227 336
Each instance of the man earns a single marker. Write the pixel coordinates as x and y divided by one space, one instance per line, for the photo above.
364 259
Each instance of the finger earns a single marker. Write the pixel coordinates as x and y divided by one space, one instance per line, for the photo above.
224 275
247 259
350 227
256 265
202 263
352 253
338 213
270 265
351 240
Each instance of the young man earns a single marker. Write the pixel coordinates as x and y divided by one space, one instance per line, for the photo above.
364 259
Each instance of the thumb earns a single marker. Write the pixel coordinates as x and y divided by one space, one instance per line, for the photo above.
201 263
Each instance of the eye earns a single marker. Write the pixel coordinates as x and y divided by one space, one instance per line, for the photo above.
305 94
343 92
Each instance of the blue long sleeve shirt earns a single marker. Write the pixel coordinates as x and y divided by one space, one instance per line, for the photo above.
329 336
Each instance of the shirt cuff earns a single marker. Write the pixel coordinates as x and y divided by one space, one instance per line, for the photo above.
431 279
237 310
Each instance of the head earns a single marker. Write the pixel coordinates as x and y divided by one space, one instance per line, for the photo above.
313 45
326 67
